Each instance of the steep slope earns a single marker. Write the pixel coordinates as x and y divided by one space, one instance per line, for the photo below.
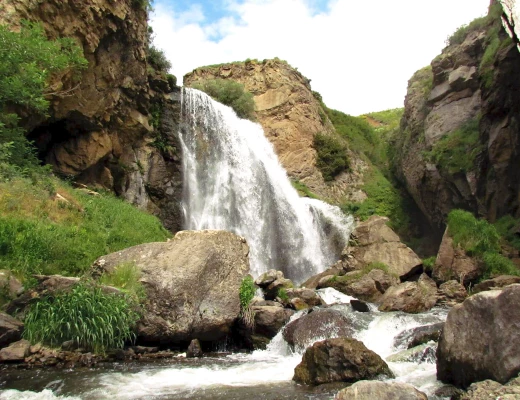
458 146
104 131
291 115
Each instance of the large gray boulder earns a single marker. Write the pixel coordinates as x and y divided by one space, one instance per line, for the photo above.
410 297
192 284
480 339
10 329
15 352
489 389
339 360
377 390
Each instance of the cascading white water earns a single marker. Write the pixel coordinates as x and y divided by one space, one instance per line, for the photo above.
233 181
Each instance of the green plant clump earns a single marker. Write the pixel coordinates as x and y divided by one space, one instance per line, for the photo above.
92 319
157 59
375 265
230 93
456 152
246 293
508 227
331 156
304 190
126 277
282 294
428 263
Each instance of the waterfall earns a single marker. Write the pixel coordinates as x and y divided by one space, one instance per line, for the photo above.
234 181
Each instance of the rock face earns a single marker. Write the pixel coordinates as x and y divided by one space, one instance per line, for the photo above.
410 297
480 337
99 131
489 389
456 91
370 390
339 360
291 116
316 325
374 242
10 329
453 263
192 284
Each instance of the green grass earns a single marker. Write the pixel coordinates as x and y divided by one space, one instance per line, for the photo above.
428 263
507 226
304 190
40 235
247 291
125 277
456 151
331 157
92 319
481 240
375 265
282 294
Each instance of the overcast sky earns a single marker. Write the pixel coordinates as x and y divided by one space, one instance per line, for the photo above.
358 54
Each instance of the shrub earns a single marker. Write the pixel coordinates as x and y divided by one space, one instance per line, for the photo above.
496 264
475 236
157 59
86 315
230 93
507 227
331 156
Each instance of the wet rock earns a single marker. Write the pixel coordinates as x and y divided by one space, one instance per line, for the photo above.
307 298
420 335
480 339
373 241
313 281
144 349
316 325
411 297
449 391
423 353
365 286
268 277
269 320
489 389
15 352
359 306
192 284
451 293
339 359
194 349
495 283
10 329
453 263
372 390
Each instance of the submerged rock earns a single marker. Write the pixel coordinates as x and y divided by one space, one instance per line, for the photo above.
377 390
10 329
480 339
318 324
192 284
418 354
339 359
411 297
420 335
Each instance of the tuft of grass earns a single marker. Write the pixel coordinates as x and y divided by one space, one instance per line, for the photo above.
42 235
92 319
428 263
375 265
304 190
282 294
331 156
126 277
246 293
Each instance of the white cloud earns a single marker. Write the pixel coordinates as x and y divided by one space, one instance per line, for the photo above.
359 55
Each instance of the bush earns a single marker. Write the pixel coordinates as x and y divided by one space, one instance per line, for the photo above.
331 156
475 236
157 59
496 264
92 319
230 93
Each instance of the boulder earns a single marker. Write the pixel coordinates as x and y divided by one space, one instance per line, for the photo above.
15 352
359 306
489 389
424 353
420 335
364 286
313 281
271 282
10 329
453 263
316 325
270 319
372 390
480 339
339 360
451 293
194 349
411 297
374 241
192 284
495 283
303 298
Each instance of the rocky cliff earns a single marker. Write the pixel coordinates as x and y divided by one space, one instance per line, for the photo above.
291 115
112 129
458 146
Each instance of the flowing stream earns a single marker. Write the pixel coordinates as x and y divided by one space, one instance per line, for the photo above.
233 181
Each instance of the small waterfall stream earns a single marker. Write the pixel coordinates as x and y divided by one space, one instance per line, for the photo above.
234 181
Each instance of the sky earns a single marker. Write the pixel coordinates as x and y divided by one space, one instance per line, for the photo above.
358 54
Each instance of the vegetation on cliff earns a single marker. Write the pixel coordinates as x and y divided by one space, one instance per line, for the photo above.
331 156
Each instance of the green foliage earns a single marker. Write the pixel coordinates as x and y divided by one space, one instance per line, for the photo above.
375 265
304 190
231 93
282 294
247 291
456 152
172 80
422 81
92 319
475 236
39 235
508 227
496 264
157 59
389 119
428 263
331 156
28 61
126 277
142 4
382 199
